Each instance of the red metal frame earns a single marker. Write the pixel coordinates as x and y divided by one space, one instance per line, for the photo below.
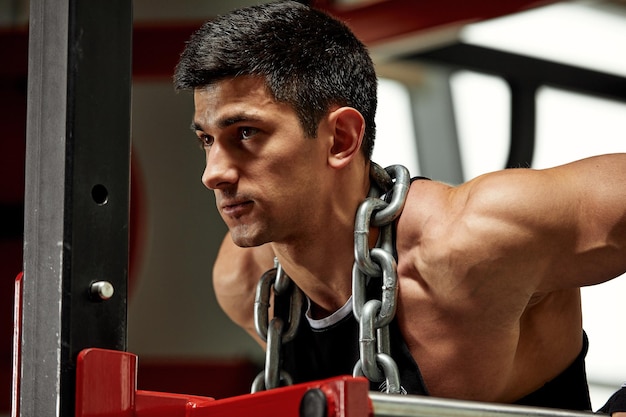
106 386
377 22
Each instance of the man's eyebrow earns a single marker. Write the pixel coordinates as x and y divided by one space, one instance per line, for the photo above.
228 121
243 117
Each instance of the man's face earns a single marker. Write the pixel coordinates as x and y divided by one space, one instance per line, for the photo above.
260 165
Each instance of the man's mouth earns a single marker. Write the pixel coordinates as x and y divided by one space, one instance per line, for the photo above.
236 208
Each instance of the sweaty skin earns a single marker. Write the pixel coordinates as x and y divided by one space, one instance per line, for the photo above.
489 271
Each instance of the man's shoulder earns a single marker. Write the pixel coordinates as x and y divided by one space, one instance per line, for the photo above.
426 206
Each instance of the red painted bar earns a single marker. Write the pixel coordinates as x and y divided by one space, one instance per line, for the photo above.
106 386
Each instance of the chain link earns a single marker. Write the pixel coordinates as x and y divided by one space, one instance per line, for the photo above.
386 198
382 207
273 332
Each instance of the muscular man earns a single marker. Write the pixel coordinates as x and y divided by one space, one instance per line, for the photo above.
489 271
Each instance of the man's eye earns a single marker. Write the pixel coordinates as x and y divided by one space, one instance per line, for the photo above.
205 140
247 132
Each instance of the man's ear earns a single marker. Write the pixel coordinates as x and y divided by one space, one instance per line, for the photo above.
348 127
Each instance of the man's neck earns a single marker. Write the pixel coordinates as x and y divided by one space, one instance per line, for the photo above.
321 268
319 260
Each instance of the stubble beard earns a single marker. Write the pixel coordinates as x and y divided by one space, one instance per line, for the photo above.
244 236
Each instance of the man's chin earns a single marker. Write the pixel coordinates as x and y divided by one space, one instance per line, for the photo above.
246 239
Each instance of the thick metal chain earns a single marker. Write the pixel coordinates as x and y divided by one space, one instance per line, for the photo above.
382 207
273 332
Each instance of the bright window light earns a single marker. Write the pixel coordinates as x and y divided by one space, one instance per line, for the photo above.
482 107
572 126
395 137
568 32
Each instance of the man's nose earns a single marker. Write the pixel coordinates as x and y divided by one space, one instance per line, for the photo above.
220 170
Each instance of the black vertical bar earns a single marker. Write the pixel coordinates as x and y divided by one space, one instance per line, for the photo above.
523 126
77 193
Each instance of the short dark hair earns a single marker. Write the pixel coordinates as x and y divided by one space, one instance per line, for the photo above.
308 59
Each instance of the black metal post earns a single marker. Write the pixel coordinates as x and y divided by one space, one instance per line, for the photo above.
525 75
523 123
77 194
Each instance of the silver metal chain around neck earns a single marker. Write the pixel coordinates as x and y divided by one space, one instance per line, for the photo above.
385 201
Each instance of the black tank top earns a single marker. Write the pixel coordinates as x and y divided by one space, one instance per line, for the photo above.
333 350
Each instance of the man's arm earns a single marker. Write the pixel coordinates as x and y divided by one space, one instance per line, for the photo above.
236 273
565 225
519 232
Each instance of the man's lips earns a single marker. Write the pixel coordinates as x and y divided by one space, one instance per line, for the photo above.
236 208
